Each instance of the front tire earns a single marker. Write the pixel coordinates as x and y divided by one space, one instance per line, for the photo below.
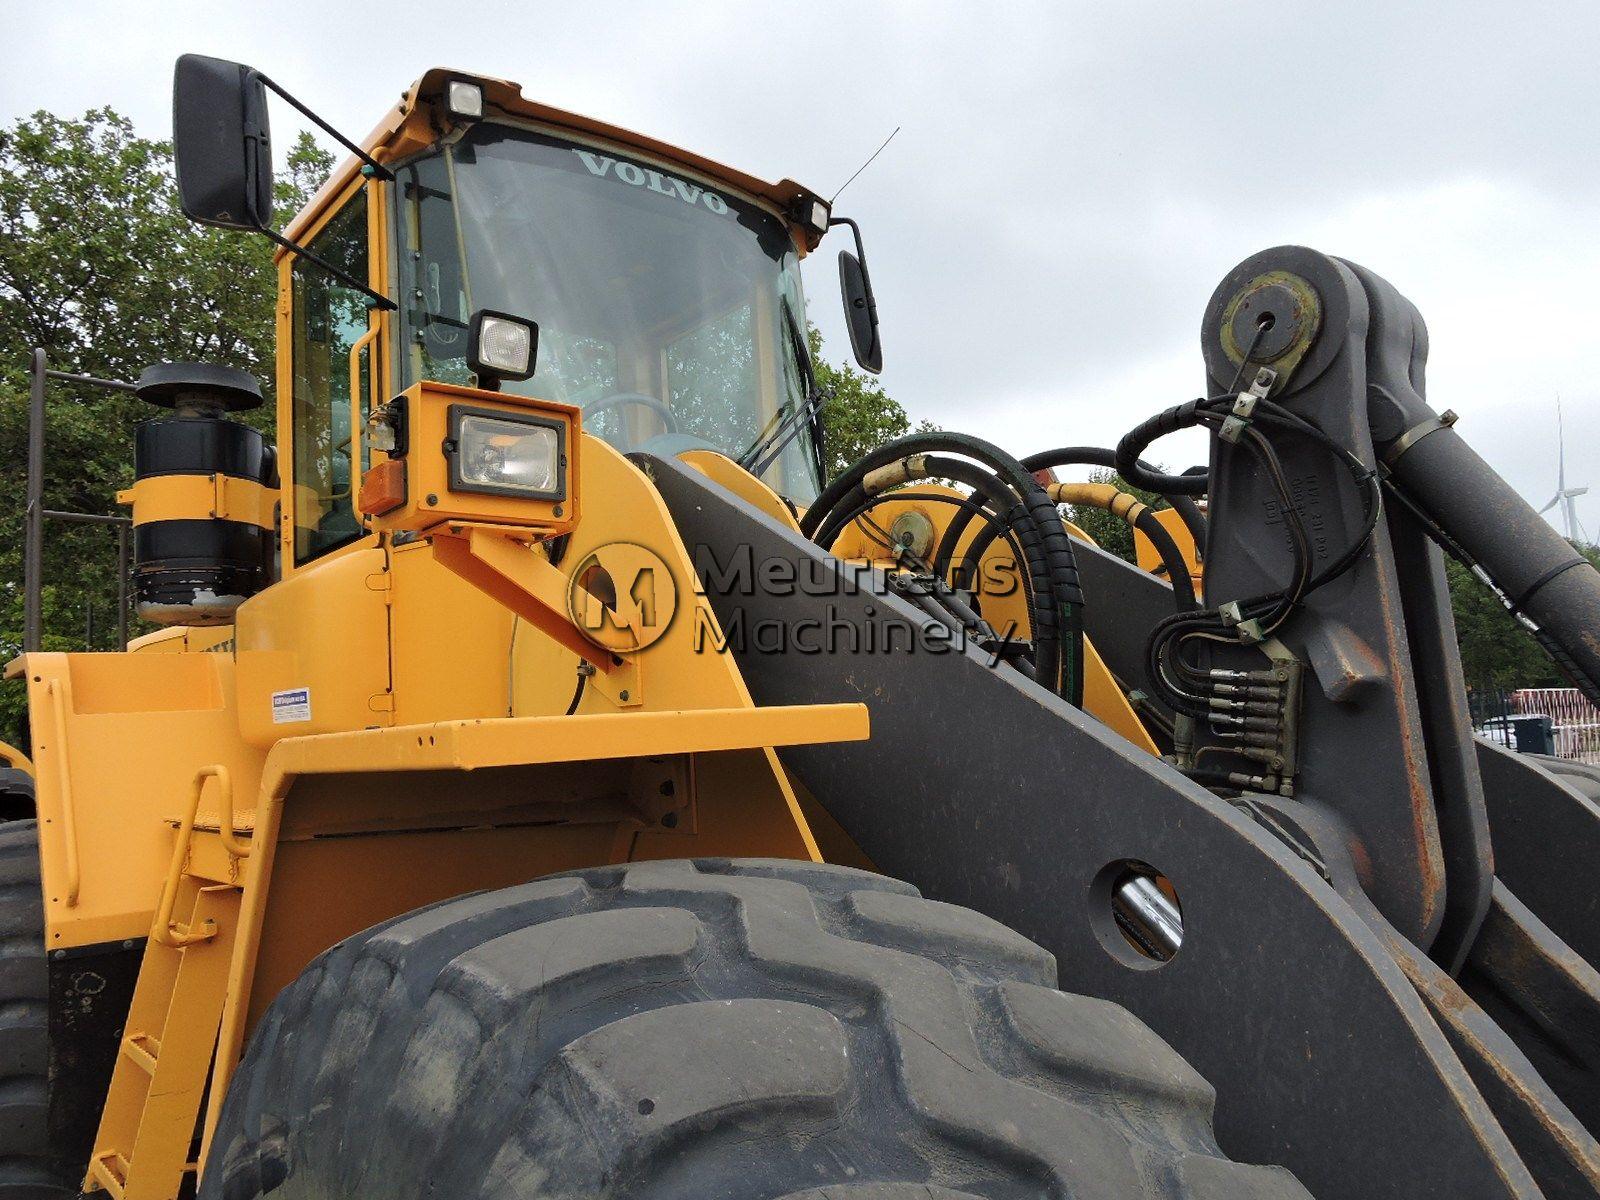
26 1168
704 1030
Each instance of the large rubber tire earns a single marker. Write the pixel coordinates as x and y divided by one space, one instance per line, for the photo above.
708 1030
16 795
25 1172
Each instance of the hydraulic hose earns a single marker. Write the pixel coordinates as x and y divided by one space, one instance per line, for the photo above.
1058 629
1098 456
1112 499
871 490
997 497
976 510
1171 558
1139 473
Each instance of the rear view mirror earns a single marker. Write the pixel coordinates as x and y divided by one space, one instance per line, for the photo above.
223 154
860 312
221 147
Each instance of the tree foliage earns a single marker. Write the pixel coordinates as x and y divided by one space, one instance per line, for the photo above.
1496 651
100 269
860 417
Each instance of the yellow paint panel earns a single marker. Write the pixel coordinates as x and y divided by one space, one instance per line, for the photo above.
181 639
325 630
451 643
201 498
722 470
135 727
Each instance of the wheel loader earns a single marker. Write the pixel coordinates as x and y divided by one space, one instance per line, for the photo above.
542 781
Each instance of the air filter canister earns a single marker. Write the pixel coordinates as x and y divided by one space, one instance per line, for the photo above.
203 497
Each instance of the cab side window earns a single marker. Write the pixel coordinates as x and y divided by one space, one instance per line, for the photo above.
328 318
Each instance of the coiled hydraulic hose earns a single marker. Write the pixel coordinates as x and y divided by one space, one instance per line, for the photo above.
1199 482
1128 507
1093 456
998 509
1047 550
1141 474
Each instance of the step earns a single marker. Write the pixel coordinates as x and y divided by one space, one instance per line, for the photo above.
110 1171
142 1049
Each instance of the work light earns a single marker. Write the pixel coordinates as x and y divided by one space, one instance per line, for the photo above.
815 214
500 346
464 100
504 453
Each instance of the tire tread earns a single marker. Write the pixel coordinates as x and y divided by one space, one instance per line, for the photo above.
710 1028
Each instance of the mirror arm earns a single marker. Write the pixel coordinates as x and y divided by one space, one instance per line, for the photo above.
861 250
378 298
376 167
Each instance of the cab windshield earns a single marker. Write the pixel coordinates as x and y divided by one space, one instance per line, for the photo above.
668 310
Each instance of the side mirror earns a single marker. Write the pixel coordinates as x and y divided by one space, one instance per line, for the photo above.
860 311
221 148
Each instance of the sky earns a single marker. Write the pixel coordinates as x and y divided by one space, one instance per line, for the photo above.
1070 180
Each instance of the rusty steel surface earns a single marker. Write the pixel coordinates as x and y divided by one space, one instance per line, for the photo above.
1325 1057
1379 1010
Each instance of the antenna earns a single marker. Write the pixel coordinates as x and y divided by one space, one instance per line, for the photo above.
863 166
1566 497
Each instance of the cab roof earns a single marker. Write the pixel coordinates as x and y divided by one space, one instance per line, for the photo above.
419 120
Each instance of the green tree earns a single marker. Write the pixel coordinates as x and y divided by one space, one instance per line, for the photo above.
1496 651
99 268
860 417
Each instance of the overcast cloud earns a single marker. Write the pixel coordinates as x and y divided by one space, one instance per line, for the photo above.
1071 180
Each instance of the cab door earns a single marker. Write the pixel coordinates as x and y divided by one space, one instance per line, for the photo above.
314 647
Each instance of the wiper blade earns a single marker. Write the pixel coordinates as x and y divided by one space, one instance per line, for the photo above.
789 421
763 454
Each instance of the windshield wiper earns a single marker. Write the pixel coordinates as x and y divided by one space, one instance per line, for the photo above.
789 421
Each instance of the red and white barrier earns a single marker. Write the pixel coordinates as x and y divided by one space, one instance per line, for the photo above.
1577 721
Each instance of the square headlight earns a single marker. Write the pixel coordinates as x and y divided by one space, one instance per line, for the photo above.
816 215
507 454
500 346
464 100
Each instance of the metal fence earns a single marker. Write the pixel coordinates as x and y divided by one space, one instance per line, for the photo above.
1576 721
35 514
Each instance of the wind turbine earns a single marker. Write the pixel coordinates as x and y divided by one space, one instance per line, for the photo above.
1565 496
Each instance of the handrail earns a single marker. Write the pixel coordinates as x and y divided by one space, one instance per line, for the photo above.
225 830
17 759
59 689
357 433
162 929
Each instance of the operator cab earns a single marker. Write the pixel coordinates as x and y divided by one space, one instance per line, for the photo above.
669 310
661 290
